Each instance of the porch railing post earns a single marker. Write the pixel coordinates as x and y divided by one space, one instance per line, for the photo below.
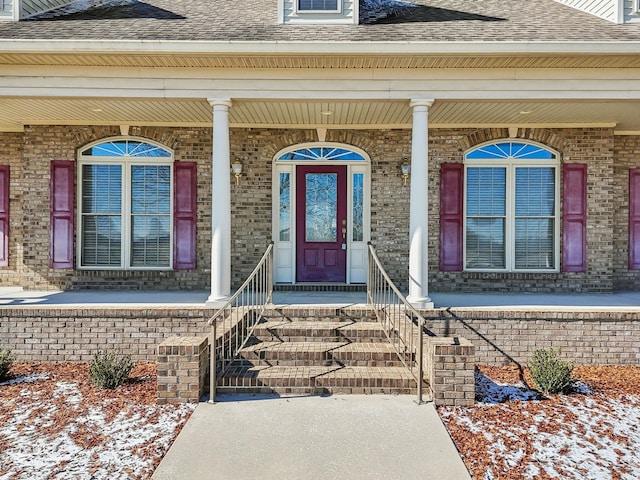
212 365
399 320
369 279
420 360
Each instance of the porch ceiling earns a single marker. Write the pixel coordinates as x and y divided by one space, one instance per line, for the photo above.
15 113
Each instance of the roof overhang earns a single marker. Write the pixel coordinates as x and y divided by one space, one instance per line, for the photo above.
355 55
364 84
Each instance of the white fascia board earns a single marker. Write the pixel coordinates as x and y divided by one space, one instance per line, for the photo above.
11 128
168 47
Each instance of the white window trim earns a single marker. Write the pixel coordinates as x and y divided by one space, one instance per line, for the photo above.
635 7
300 11
510 164
125 239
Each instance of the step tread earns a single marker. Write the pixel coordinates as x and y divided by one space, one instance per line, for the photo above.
318 325
287 371
319 347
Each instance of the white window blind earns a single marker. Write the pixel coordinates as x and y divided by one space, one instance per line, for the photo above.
101 215
486 217
150 215
534 218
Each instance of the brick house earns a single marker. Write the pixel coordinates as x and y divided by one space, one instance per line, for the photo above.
487 146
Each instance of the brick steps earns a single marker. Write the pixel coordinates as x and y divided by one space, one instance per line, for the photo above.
322 353
317 349
322 331
320 314
316 379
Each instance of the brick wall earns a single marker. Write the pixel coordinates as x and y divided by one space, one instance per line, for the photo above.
31 153
252 200
608 158
77 334
11 147
627 155
500 337
591 146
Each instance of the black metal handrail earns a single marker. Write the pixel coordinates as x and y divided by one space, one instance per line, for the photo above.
233 324
402 323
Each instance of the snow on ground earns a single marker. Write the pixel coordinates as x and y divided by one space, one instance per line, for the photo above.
516 433
57 433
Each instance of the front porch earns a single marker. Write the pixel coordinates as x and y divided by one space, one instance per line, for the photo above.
154 299
593 329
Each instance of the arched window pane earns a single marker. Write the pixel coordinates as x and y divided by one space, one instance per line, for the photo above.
126 148
322 153
514 150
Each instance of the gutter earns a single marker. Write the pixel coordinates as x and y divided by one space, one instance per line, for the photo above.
187 47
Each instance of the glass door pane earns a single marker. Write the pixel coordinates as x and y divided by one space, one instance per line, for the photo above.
321 207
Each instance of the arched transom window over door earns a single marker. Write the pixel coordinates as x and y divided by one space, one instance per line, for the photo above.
511 216
125 205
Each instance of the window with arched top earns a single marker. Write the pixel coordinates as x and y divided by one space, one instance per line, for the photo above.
125 205
511 213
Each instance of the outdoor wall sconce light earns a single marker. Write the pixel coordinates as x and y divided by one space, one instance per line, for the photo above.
406 169
236 167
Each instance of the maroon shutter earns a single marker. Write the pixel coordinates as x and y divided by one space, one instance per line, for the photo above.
574 217
634 219
451 195
4 215
61 207
184 215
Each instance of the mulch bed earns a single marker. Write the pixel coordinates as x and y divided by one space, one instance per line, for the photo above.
55 424
515 432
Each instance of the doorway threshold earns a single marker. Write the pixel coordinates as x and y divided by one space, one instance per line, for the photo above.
320 287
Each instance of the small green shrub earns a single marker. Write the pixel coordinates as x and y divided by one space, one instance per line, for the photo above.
108 370
550 373
6 359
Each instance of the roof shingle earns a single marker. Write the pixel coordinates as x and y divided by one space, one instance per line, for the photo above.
255 20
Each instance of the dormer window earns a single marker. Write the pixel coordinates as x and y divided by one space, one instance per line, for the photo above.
319 12
6 8
307 6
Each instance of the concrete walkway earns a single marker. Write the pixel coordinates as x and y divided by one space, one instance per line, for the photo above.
341 436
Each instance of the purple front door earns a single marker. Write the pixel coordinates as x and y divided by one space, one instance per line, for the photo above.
321 223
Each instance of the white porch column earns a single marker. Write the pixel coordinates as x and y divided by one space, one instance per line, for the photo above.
220 204
419 202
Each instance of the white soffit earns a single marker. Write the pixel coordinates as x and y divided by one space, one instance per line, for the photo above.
344 61
16 112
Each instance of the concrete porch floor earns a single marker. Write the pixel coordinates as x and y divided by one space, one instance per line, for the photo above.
13 297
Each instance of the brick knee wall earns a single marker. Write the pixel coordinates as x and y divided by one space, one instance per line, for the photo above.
182 364
501 337
76 334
